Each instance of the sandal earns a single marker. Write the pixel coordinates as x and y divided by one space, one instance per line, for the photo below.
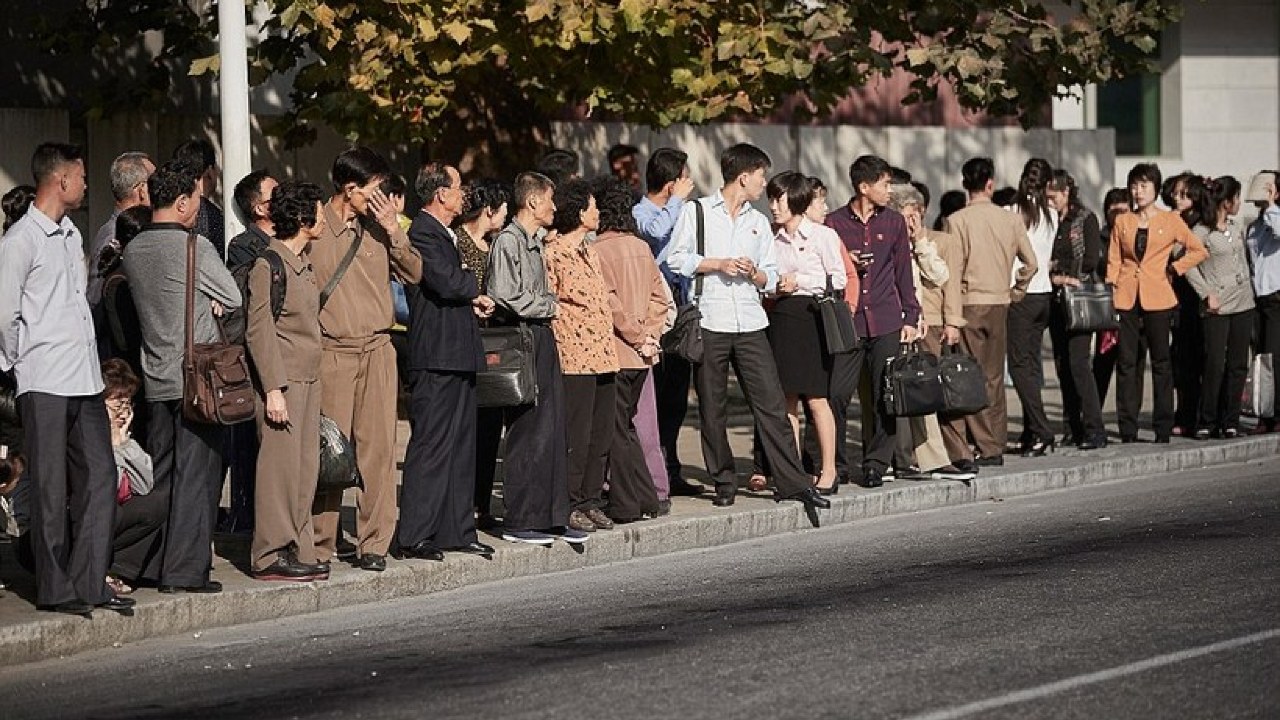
118 586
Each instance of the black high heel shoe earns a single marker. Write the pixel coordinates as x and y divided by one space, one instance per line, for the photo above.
1039 448
826 491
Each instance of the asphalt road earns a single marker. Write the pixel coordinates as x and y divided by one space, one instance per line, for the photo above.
1146 598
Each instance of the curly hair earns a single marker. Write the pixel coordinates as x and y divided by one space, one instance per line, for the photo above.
170 181
572 198
293 207
481 195
614 200
119 379
16 202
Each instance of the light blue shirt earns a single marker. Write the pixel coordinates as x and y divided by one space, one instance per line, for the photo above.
728 304
1264 247
655 225
46 331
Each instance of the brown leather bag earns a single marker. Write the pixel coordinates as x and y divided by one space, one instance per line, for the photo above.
216 388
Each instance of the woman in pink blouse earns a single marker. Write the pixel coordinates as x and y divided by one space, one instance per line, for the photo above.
809 265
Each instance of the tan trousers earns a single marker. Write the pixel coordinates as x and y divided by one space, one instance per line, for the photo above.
288 464
955 437
359 388
985 338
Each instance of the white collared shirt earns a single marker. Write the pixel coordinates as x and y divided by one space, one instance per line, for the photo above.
46 331
813 254
728 304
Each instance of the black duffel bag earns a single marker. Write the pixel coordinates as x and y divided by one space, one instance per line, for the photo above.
913 384
964 384
509 378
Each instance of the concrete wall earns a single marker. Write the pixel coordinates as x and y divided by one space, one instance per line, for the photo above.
932 155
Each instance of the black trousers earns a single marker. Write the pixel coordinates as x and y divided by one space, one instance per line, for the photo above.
488 438
1135 325
73 495
751 358
139 536
1269 337
535 466
438 483
1226 365
671 379
847 372
187 459
631 490
1187 352
590 402
1028 319
244 469
1081 406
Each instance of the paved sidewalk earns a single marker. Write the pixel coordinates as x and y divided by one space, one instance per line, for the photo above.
27 635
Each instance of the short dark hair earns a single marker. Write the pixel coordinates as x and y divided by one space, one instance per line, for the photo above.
1005 196
433 176
359 165
248 192
118 379
1115 196
665 165
1062 180
737 160
50 157
293 207
868 169
1196 189
572 198
899 176
818 185
614 201
1144 172
924 194
560 165
131 222
621 150
199 152
1170 186
795 187
16 202
976 173
527 185
948 204
170 181
483 194
394 184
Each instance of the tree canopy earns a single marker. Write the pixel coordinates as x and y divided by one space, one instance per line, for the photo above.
406 70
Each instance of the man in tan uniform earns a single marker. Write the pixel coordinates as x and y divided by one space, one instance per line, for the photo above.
358 368
990 237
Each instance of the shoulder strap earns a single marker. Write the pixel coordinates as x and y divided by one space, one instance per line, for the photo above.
189 331
702 243
279 281
332 285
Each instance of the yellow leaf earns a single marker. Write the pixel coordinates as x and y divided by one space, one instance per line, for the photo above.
324 16
917 56
427 29
537 10
210 64
366 31
459 31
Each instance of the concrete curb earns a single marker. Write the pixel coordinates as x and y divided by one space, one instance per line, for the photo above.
48 636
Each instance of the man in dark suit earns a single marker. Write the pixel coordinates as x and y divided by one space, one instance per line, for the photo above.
444 355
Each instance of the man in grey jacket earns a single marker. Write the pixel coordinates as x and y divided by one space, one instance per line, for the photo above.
186 455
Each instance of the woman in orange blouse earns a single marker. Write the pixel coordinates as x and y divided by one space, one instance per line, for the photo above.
1138 268
583 327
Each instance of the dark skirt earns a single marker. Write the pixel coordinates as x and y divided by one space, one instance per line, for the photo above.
795 334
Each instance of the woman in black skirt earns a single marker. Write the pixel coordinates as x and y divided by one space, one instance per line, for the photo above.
809 264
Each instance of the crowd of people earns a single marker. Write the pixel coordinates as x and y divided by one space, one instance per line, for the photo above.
344 300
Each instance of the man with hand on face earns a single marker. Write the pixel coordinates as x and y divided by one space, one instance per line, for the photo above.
735 263
361 247
445 354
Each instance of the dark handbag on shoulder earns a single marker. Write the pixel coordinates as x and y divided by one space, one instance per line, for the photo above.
509 378
913 384
964 384
216 388
1090 307
684 339
839 335
338 467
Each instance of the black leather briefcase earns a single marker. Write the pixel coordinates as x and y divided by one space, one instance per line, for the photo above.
509 378
913 384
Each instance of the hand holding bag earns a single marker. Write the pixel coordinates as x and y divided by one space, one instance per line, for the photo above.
1089 307
913 384
684 339
509 378
964 384
839 334
215 376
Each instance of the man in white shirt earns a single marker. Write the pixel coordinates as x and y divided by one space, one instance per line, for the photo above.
47 340
734 265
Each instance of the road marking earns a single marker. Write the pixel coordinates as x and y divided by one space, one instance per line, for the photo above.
1041 691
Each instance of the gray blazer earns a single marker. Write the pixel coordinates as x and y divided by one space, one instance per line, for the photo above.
1226 272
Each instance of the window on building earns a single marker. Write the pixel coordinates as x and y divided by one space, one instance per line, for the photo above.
1132 107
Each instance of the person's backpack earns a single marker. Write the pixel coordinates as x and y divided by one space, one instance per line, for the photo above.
236 322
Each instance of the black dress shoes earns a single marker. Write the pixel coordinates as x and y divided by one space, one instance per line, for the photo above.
285 568
473 548
208 588
680 486
872 478
345 549
724 495
372 562
1039 448
1094 442
122 605
70 607
992 461
811 498
424 550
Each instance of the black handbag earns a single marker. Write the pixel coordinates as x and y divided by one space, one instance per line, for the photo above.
913 384
1090 307
839 334
964 384
509 378
684 339
338 467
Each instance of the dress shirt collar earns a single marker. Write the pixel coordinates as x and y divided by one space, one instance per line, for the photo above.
47 225
531 242
167 226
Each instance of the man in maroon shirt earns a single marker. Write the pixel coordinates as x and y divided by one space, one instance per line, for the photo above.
877 240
